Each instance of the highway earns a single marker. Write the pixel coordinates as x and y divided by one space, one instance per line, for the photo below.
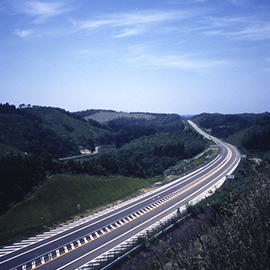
75 244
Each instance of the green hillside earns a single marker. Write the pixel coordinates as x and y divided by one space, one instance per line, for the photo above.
59 133
56 201
41 130
224 125
249 132
12 130
69 125
161 122
255 139
32 139
41 190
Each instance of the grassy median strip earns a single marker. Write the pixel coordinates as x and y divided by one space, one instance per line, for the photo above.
57 201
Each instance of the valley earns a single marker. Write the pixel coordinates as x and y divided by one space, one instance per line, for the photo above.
43 165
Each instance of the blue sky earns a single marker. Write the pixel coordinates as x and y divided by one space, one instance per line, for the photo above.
168 56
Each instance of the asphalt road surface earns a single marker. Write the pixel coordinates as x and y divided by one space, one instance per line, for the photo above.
77 243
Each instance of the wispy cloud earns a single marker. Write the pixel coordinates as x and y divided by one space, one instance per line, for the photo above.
40 11
238 28
23 33
185 63
255 32
139 57
41 32
145 55
132 23
130 32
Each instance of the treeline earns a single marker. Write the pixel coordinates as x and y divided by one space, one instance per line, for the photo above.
11 109
258 136
224 125
147 156
34 138
160 122
19 176
40 130
129 129
26 132
44 130
144 157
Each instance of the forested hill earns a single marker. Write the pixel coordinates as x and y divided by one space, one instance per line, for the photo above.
45 130
223 125
159 121
130 126
257 137
249 132
33 138
59 133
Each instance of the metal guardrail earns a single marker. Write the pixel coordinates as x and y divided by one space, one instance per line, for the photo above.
44 258
55 253
117 254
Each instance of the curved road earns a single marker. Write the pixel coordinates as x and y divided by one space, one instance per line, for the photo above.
73 246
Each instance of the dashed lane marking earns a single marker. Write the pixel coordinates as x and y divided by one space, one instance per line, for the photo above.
145 210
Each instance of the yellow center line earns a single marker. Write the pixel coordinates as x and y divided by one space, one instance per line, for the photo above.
185 189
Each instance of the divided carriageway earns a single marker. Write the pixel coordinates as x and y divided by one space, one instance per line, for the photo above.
77 243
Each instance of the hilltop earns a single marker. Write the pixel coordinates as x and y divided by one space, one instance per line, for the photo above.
161 122
59 133
104 116
56 132
134 147
45 130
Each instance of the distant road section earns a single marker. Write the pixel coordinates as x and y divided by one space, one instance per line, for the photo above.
81 156
78 243
206 135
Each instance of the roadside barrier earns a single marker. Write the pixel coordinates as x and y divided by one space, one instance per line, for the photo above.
120 252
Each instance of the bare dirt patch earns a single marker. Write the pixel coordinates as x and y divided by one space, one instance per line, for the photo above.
104 117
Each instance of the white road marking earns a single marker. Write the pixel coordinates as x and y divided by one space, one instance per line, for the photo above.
159 190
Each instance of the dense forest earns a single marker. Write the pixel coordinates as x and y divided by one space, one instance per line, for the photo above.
249 132
45 130
30 130
149 155
258 136
33 138
222 125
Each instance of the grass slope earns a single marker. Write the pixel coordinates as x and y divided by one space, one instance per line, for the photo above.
56 201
